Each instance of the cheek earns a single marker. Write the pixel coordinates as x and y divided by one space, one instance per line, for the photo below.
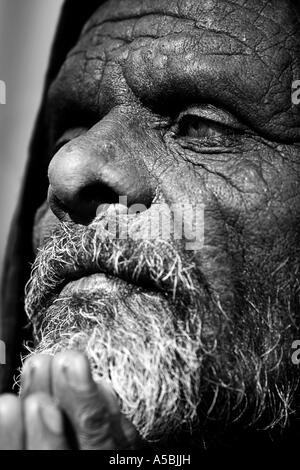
257 196
239 192
44 225
253 185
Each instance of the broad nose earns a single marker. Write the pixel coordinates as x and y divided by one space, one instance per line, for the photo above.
96 168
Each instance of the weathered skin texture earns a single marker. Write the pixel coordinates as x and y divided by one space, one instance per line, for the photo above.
121 123
167 56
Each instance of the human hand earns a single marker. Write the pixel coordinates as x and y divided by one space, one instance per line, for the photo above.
61 407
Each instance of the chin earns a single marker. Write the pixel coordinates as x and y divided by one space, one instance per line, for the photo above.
177 373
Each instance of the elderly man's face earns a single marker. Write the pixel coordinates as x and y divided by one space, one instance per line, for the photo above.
176 103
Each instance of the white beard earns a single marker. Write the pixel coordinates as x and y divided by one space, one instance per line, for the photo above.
134 343
169 358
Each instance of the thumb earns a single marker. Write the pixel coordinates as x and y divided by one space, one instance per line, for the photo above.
92 410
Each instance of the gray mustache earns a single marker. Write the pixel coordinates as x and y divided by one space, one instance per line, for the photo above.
74 251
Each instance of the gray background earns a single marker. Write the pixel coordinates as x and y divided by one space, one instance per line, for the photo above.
26 32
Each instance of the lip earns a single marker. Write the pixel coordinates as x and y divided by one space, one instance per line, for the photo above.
90 283
92 275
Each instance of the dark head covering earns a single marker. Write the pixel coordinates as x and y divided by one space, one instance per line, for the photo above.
19 253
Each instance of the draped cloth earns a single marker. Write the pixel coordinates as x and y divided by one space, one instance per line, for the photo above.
19 255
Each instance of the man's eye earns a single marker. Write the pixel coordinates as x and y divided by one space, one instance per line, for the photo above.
198 128
208 126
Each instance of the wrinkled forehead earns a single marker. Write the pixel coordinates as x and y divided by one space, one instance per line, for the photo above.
256 19
231 51
150 34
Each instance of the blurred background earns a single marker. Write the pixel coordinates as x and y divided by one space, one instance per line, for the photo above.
26 32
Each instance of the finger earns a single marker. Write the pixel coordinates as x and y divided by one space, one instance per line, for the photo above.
36 375
11 423
44 424
96 420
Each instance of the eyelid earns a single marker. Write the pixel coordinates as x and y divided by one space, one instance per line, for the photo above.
215 115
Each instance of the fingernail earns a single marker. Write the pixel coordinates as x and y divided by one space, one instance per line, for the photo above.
52 418
78 375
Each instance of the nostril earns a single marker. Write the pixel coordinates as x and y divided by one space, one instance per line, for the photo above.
96 194
88 200
83 208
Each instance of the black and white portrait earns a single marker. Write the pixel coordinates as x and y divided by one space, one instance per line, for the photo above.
151 273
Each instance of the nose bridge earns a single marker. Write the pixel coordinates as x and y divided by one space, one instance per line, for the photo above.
98 167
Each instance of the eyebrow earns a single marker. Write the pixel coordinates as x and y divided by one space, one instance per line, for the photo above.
212 77
171 75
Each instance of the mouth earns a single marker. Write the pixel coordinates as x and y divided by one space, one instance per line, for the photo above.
94 283
65 267
92 280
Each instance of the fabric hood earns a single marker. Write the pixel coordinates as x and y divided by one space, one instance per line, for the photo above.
19 254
